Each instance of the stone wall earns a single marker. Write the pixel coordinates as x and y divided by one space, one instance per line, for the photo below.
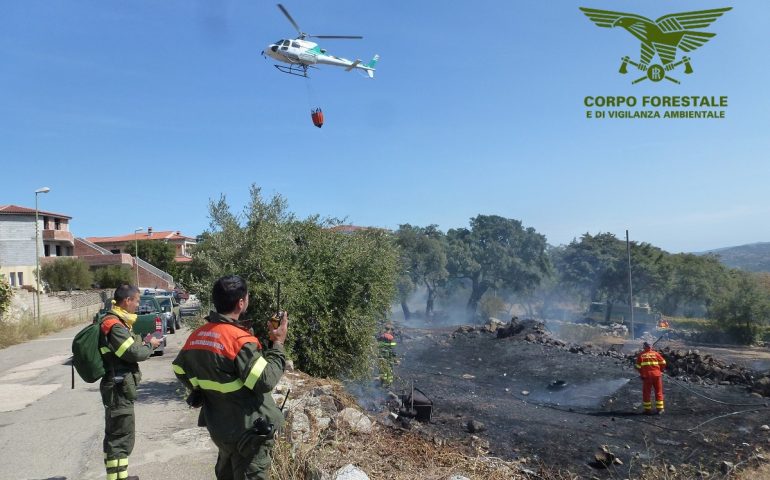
79 305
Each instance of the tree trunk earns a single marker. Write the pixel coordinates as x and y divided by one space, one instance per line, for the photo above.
431 299
405 308
473 301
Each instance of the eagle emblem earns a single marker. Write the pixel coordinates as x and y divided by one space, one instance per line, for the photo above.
664 37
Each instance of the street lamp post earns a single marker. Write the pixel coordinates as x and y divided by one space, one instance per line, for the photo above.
136 253
37 251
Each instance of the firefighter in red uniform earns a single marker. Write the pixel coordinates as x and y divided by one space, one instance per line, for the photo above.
650 365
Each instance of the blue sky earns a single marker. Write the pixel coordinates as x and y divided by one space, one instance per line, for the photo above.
137 113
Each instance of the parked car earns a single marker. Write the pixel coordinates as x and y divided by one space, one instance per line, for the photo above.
170 310
190 307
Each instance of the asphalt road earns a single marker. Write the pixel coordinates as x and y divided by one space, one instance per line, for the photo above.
49 431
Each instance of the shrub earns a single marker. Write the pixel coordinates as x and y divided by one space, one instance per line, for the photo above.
6 293
67 273
113 276
335 286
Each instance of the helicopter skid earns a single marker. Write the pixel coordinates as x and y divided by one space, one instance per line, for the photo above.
299 70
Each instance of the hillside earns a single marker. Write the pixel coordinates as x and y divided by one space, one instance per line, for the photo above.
754 257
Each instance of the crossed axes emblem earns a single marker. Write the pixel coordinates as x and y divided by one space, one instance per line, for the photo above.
655 72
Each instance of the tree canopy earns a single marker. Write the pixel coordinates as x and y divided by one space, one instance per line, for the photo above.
423 262
157 253
496 252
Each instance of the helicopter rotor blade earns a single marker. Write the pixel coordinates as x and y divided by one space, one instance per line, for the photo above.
286 12
349 37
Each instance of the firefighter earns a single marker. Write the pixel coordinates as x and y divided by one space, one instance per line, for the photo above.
387 356
231 377
650 365
121 350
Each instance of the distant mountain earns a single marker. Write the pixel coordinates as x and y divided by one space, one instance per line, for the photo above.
754 257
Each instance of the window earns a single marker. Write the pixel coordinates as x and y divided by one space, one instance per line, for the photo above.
21 278
12 275
286 43
45 223
47 250
295 44
57 224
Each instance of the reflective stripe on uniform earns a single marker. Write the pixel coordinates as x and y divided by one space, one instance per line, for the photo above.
112 476
110 463
255 373
645 364
124 346
178 369
228 387
122 462
104 350
122 474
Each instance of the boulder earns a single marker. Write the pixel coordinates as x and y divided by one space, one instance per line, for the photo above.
357 421
350 472
475 426
300 427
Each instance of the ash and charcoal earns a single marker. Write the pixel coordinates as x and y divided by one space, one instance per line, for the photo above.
529 395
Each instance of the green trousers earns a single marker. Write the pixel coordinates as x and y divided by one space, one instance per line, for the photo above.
233 465
119 430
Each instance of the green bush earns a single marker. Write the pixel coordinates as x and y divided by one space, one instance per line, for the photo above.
490 306
113 276
67 273
335 286
6 293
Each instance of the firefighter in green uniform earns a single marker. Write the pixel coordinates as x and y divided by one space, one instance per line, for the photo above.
231 376
121 350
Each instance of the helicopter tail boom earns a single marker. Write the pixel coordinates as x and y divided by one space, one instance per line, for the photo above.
369 67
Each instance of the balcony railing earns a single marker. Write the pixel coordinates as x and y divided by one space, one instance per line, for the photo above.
59 236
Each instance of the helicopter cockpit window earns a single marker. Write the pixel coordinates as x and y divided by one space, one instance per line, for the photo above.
279 42
286 43
295 44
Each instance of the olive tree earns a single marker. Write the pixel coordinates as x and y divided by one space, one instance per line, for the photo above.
335 286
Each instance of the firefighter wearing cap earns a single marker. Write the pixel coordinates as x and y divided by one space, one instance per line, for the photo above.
650 365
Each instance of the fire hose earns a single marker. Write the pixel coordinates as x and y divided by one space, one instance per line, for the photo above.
763 406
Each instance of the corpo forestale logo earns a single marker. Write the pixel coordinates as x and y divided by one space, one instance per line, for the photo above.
664 37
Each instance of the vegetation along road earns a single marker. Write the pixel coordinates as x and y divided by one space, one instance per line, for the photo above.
50 431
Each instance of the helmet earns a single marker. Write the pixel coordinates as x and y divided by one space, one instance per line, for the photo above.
646 345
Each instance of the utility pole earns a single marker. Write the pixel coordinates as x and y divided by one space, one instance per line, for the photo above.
37 252
630 287
136 253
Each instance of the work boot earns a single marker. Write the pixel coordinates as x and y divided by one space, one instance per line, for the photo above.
660 412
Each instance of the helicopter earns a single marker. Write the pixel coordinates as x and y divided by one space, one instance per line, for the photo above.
302 54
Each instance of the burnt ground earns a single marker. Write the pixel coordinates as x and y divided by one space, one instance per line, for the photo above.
507 384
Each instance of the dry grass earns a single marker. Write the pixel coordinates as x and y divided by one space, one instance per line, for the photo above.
28 329
386 454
